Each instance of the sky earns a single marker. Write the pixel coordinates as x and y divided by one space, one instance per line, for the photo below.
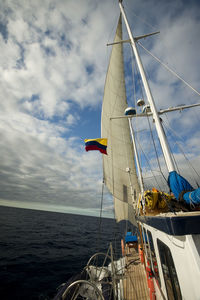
53 65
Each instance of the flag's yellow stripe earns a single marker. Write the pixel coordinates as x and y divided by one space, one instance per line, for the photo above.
100 141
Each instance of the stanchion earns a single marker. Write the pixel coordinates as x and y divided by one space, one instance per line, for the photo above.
150 281
141 253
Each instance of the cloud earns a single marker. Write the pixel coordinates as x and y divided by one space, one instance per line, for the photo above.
47 63
52 71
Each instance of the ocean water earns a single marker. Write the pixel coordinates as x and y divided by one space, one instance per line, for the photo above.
40 250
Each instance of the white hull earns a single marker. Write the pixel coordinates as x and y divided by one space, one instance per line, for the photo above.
185 250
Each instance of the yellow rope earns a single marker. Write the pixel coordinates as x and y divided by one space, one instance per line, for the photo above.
155 199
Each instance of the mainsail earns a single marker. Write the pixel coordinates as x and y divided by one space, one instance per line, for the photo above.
123 185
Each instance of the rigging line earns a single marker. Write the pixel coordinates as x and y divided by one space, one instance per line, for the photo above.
141 19
118 236
110 35
134 95
134 87
159 166
190 165
103 263
115 239
178 137
170 70
140 80
133 75
136 73
100 217
141 87
140 84
176 165
149 164
153 141
172 131
181 150
123 138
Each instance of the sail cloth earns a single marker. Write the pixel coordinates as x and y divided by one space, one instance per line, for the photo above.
96 144
123 185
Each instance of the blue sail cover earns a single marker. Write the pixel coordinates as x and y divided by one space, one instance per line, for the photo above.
179 184
192 197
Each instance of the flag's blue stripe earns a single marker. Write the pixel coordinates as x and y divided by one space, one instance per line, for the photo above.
94 143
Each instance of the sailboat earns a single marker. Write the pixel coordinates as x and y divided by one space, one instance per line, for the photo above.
161 259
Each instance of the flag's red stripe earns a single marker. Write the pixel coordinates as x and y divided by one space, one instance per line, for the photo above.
94 147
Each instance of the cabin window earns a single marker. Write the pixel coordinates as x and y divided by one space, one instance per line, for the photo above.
145 242
125 193
144 237
147 245
153 256
135 195
169 272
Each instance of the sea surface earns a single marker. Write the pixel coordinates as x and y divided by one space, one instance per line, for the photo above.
39 250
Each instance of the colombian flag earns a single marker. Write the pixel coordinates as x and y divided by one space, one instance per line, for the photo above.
96 144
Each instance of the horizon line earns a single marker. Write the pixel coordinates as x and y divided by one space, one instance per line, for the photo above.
54 208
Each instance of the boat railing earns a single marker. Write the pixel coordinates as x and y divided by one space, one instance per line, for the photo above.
84 285
97 281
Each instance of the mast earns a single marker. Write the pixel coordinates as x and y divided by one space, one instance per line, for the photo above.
136 158
161 134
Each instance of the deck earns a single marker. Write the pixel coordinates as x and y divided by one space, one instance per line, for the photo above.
135 282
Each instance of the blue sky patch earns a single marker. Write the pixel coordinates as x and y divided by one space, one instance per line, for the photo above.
4 31
90 69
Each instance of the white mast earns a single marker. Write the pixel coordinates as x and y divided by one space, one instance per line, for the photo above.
159 128
136 158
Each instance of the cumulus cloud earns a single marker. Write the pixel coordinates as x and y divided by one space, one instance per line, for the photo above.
49 60
52 71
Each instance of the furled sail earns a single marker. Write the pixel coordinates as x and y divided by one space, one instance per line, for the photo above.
123 185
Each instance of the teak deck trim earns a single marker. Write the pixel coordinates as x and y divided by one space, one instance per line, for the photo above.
135 284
